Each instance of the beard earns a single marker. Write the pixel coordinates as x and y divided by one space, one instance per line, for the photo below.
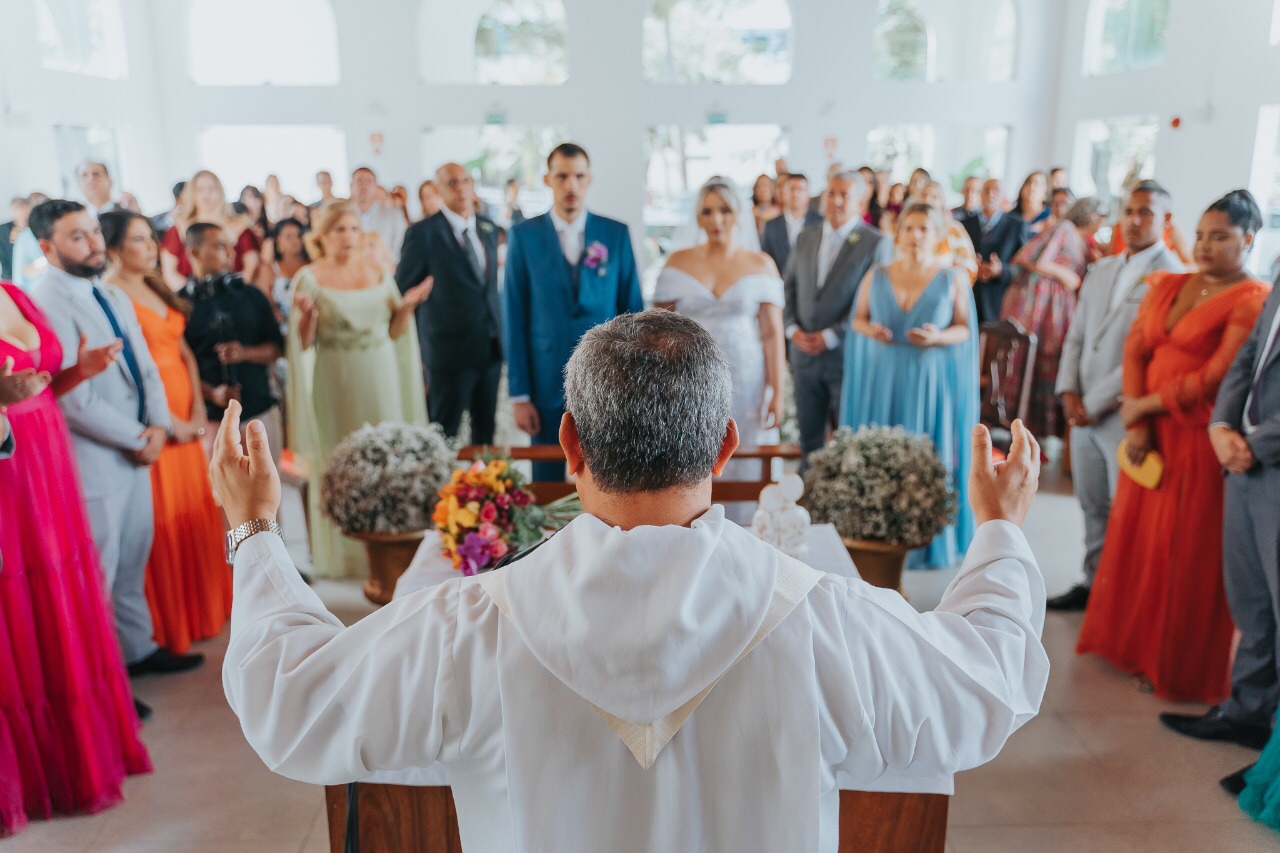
83 269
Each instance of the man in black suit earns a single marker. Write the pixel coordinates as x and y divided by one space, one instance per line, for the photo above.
997 236
459 324
9 231
780 234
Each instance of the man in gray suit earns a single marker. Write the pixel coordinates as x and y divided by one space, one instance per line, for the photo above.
1090 367
821 281
119 420
1245 431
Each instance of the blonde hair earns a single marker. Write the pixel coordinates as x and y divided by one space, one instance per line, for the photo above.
917 205
189 200
376 250
326 220
727 192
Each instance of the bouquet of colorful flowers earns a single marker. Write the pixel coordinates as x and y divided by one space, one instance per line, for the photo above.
485 512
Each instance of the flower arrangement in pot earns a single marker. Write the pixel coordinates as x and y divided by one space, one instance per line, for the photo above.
886 492
380 487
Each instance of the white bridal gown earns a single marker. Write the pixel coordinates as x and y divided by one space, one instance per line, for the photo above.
732 319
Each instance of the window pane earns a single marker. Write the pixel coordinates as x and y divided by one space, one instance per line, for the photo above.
718 41
1264 260
238 43
1004 44
680 160
83 37
243 154
522 43
901 42
898 149
495 154
1113 154
79 142
1124 35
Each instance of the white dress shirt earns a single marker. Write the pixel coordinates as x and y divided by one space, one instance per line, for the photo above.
833 240
573 236
467 226
795 224
606 652
1131 272
388 222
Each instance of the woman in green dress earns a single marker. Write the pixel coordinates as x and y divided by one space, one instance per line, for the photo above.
353 360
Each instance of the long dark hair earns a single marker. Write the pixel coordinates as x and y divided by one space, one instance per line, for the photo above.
290 222
115 228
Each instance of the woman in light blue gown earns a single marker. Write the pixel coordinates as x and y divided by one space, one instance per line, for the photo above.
911 360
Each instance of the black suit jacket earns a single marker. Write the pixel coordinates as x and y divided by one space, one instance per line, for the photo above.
1004 240
460 324
774 242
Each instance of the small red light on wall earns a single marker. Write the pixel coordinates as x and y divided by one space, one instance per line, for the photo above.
1175 122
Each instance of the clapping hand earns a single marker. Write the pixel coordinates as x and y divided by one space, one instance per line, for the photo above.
415 296
92 361
881 333
925 336
1232 450
1005 490
16 387
245 485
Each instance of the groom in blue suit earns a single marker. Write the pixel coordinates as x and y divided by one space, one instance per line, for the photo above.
567 271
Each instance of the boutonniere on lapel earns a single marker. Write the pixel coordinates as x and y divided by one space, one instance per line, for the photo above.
486 228
596 258
854 237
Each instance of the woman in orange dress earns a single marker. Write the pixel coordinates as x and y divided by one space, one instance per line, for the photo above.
188 581
1158 608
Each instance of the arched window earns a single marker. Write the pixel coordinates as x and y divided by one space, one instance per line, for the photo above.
899 149
252 43
1264 260
1112 154
902 47
718 41
522 43
1124 35
83 37
1002 55
243 154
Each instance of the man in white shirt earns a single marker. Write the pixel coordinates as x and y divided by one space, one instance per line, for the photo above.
1092 360
95 185
652 677
386 220
780 233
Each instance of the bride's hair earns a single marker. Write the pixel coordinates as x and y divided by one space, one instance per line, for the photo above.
724 188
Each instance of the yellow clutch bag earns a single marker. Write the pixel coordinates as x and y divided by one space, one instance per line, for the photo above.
1148 473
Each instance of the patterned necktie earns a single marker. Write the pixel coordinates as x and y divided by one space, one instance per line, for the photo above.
130 358
471 254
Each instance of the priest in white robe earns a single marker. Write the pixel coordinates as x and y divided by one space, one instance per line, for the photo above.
653 677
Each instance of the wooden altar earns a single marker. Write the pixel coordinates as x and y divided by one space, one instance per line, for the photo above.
395 818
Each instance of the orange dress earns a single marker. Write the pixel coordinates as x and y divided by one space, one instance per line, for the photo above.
188 580
1158 607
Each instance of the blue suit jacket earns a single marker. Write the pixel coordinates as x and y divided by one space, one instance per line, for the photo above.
547 312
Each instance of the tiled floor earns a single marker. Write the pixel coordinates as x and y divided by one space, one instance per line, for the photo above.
1094 772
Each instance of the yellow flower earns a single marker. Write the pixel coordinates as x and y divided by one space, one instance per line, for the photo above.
464 518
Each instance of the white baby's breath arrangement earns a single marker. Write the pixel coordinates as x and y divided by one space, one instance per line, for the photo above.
386 478
880 483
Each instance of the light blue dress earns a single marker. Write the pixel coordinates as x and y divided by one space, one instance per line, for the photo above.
931 390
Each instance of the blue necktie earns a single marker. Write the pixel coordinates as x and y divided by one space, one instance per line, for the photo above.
130 359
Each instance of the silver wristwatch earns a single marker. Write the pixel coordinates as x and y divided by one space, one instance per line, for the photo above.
244 531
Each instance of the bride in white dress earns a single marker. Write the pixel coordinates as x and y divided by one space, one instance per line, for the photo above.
736 295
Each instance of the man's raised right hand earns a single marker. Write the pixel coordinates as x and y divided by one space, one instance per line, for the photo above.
1005 490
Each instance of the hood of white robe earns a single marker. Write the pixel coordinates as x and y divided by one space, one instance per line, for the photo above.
638 622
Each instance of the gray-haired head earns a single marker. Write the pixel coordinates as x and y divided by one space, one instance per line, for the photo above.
1084 211
856 177
651 395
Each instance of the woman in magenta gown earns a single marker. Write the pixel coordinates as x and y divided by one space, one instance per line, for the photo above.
68 729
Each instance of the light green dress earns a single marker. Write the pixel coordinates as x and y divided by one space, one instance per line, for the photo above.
353 375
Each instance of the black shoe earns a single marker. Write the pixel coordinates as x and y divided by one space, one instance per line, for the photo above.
1215 725
144 712
1073 599
163 661
1234 783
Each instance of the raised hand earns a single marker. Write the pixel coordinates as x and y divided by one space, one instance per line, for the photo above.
91 361
245 484
1004 491
415 296
23 385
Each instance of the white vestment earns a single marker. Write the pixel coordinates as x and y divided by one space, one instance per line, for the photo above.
625 647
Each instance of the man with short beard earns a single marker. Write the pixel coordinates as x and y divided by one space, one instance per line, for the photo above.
119 420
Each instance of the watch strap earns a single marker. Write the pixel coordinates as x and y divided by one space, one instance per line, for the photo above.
249 528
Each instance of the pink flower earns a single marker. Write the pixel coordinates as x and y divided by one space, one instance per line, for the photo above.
499 549
520 497
490 532
597 256
503 500
488 512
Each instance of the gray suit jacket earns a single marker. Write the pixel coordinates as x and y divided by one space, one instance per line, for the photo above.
102 412
816 309
1234 391
1092 361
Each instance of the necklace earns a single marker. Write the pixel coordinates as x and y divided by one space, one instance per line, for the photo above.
1204 291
